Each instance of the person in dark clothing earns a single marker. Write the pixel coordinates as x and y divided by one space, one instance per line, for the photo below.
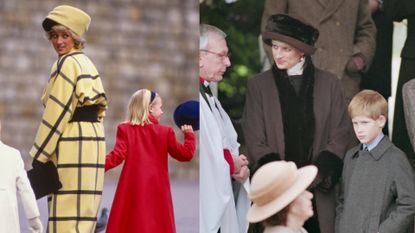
296 112
378 76
399 10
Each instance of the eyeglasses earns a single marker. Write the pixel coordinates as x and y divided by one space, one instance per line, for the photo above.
221 55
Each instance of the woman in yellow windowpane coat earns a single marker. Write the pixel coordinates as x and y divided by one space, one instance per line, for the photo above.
71 133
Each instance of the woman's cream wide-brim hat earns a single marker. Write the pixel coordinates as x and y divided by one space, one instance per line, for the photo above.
71 17
275 185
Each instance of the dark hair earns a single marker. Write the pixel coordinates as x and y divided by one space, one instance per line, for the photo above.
279 218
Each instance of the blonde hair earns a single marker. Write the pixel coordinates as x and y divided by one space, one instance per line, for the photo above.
79 42
368 103
139 107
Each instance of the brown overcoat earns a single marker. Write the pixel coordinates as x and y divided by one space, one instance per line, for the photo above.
264 132
346 29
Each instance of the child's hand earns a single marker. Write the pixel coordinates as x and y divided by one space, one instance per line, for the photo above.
187 128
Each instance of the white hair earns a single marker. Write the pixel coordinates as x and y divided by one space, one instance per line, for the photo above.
205 30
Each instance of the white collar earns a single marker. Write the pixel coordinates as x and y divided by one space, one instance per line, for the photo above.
297 69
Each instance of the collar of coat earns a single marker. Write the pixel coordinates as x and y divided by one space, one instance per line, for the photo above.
73 50
307 86
377 152
152 119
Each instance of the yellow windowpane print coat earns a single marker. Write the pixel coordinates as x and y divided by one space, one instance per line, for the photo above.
76 147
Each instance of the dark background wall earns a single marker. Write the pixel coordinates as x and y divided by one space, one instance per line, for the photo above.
134 44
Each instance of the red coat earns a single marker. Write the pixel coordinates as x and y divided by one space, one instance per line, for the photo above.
143 202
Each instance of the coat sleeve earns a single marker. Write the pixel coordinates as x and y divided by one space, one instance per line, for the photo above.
340 125
58 110
89 89
119 152
329 160
25 190
365 35
216 195
404 190
181 152
253 124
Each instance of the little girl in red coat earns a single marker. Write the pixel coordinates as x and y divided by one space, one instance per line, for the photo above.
142 201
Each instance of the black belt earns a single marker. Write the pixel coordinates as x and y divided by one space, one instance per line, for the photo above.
86 113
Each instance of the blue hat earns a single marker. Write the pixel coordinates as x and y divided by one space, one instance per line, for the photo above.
187 113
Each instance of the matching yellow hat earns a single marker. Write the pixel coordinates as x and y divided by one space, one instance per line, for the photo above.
71 17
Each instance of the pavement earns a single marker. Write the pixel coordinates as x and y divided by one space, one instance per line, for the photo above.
185 194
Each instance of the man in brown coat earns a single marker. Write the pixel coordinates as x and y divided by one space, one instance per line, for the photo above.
296 112
347 42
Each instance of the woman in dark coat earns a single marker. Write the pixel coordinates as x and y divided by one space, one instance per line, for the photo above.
296 112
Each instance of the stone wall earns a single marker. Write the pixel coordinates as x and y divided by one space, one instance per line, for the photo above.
134 44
